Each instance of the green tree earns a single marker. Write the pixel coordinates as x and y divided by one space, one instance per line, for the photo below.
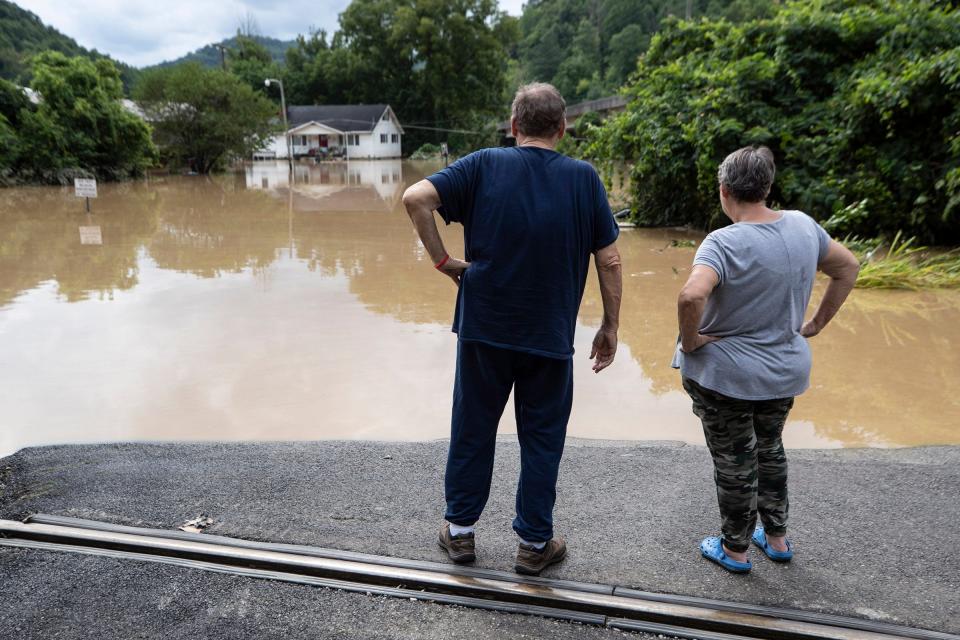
79 125
587 48
860 103
438 63
204 116
578 77
12 103
625 49
318 73
251 62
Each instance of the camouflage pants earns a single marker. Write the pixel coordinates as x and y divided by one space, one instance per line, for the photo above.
750 466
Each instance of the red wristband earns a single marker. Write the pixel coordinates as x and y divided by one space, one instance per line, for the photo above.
440 264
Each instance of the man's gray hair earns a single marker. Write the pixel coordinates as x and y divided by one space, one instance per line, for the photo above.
748 173
539 110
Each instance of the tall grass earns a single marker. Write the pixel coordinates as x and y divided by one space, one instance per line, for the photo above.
904 266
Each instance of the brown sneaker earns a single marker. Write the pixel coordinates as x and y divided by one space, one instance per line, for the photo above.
460 548
531 561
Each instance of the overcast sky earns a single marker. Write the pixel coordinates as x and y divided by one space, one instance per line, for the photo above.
144 32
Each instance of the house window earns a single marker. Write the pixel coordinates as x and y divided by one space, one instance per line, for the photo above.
383 138
353 139
394 138
303 141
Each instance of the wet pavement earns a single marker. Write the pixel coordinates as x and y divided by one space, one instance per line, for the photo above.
863 521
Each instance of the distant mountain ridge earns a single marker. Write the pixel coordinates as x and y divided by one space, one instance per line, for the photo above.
23 34
209 56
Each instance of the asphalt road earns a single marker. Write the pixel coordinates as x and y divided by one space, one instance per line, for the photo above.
874 530
57 596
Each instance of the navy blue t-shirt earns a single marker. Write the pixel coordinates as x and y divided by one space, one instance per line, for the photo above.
531 219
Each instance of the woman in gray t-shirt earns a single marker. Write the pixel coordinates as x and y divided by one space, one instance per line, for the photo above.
743 351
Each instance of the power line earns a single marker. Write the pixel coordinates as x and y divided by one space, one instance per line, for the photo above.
413 126
405 126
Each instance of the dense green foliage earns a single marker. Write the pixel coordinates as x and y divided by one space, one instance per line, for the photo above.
438 64
250 61
22 35
78 127
209 55
203 116
587 48
860 102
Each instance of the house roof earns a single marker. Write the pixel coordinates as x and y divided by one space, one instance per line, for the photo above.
343 117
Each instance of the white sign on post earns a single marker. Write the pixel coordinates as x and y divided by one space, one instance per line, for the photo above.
85 187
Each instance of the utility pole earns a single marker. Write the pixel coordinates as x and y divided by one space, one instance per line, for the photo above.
223 55
689 9
283 109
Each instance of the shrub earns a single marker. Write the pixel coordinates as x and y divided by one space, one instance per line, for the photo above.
860 102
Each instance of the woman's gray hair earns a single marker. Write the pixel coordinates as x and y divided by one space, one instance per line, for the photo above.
539 110
748 173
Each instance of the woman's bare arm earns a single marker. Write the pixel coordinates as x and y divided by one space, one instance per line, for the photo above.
842 267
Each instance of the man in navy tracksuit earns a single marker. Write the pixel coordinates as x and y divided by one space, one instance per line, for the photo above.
532 218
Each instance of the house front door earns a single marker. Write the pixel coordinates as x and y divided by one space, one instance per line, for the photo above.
323 142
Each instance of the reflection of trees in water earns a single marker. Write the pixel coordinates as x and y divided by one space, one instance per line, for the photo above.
885 370
379 254
211 226
40 241
202 226
653 272
888 368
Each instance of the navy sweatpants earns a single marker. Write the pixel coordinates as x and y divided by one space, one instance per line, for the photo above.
543 395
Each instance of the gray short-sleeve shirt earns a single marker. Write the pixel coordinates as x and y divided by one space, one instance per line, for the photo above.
766 275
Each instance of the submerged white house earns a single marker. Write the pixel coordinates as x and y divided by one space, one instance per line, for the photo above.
338 131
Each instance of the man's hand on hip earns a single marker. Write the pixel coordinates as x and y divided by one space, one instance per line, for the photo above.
453 269
604 349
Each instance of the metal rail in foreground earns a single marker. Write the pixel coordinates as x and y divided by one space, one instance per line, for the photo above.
615 607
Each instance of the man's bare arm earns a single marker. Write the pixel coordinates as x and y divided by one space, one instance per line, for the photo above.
842 267
693 296
604 350
420 201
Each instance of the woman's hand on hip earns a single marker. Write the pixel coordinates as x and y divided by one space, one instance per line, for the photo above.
809 329
698 341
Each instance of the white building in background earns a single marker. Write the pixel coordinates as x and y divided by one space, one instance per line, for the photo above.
339 131
129 105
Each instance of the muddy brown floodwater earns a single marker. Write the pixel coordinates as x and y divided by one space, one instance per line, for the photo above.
239 308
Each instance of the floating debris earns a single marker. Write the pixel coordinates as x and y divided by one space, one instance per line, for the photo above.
197 525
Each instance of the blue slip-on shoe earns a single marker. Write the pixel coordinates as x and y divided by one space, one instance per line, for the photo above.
760 539
712 549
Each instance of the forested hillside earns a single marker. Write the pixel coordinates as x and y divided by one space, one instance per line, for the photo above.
588 48
23 34
209 56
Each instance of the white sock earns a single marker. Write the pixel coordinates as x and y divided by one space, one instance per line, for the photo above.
457 530
535 545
